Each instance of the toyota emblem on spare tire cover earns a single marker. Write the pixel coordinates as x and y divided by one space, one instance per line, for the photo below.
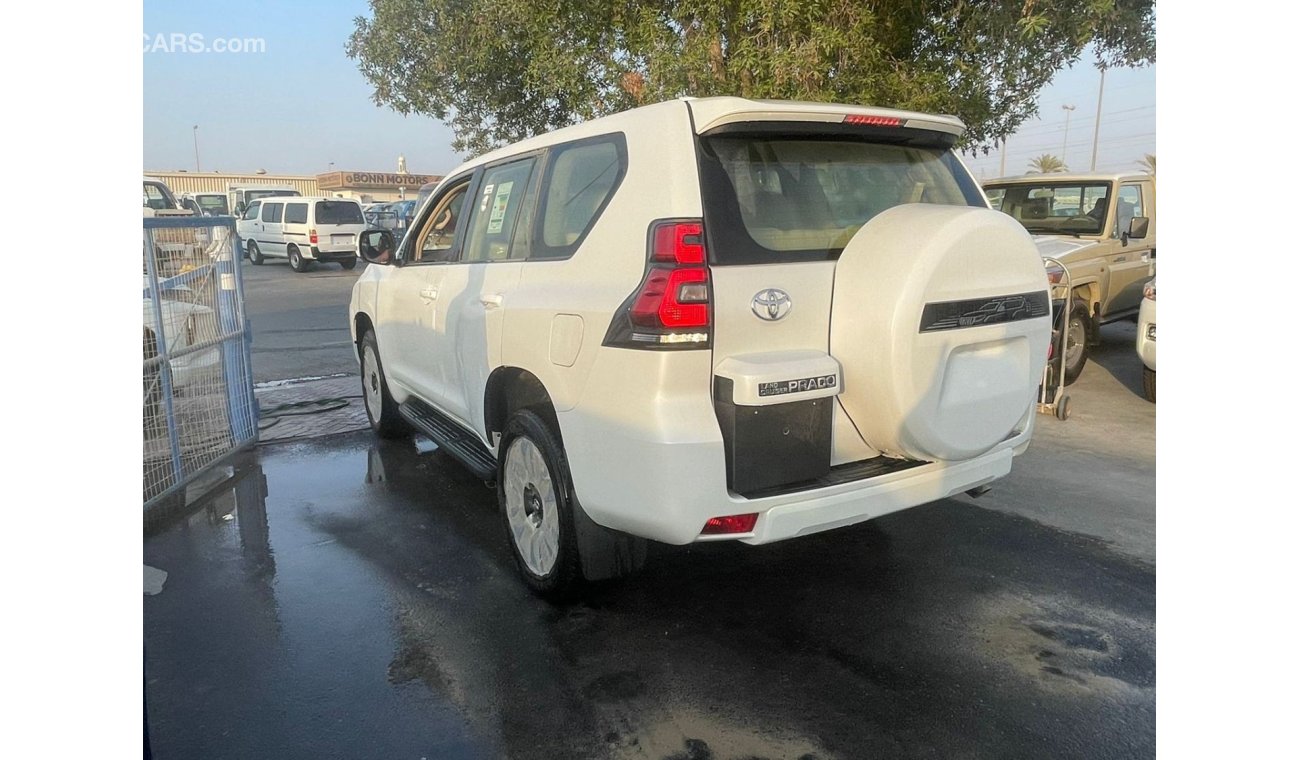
771 304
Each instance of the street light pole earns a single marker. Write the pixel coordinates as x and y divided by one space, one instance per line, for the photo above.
1002 164
1064 141
1096 130
196 148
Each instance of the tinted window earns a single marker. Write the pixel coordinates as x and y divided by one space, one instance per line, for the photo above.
492 221
770 199
253 209
295 213
339 212
580 179
272 212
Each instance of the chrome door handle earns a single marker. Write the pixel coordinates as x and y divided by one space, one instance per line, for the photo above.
429 294
491 301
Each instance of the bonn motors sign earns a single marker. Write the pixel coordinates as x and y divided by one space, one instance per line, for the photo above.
372 180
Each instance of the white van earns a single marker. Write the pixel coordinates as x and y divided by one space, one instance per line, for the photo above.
302 229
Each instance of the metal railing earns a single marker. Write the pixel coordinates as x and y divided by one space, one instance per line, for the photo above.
199 407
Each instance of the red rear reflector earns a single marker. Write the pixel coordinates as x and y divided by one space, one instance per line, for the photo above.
873 121
730 524
679 243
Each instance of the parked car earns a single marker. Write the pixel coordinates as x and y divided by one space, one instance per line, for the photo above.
707 320
1102 227
1146 340
206 204
303 230
159 200
183 324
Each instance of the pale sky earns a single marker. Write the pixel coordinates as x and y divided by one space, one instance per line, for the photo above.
301 104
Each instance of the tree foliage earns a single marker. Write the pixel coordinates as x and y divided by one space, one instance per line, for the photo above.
1148 163
1047 164
500 70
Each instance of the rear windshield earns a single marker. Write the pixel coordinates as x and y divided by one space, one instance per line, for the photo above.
338 212
213 204
769 199
1054 208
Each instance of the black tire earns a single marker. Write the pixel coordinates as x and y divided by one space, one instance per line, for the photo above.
564 578
296 260
349 263
1078 334
385 420
1149 384
255 253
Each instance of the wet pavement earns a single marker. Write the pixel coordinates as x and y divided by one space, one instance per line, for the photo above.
351 598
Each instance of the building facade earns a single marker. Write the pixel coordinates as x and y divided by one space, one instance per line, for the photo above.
366 187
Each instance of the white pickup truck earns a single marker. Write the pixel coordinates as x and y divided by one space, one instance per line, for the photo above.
1102 227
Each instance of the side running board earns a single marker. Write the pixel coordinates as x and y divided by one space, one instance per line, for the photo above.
450 437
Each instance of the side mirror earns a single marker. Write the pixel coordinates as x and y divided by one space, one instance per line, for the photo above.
1137 228
377 246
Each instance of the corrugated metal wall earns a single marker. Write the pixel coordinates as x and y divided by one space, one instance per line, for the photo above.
207 182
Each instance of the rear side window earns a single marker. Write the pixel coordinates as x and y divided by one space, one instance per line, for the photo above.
272 212
771 199
581 177
295 213
339 212
503 191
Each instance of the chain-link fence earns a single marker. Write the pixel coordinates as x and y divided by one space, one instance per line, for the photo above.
198 377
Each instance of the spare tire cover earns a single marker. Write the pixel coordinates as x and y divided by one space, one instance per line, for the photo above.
941 321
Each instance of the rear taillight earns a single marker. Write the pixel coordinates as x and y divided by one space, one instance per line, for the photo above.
311 235
670 308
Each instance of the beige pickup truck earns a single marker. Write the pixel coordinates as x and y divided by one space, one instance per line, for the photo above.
1102 227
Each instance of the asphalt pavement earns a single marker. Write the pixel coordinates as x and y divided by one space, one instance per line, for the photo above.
300 321
349 597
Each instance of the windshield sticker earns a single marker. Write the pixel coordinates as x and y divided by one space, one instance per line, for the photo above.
498 216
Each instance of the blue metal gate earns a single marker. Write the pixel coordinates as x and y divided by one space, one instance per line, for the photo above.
199 407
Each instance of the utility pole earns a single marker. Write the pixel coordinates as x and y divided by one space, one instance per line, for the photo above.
1096 130
1002 165
1065 140
196 148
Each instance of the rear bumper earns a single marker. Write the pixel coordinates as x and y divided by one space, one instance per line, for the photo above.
661 474
330 253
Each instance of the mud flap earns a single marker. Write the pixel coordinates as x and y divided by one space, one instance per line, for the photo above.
606 553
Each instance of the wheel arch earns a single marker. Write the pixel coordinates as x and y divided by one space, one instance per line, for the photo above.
510 389
361 324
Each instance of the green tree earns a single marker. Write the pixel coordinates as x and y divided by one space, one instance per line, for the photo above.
500 70
1148 164
1047 164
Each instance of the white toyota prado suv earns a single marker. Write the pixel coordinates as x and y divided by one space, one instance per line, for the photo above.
707 320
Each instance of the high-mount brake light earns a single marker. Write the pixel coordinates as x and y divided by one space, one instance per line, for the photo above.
718 526
670 308
873 121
